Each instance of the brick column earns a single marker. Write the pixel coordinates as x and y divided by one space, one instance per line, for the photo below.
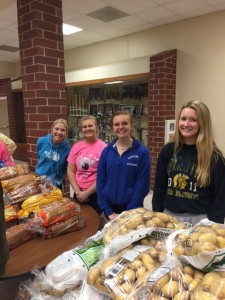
42 68
162 91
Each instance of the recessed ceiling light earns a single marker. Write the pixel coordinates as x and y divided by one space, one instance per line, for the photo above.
69 29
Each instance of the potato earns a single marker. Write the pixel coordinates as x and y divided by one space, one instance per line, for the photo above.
141 272
134 221
160 283
136 264
164 217
208 247
93 274
202 295
186 280
127 287
221 242
208 279
99 284
220 231
207 237
158 222
188 270
217 288
129 275
175 273
194 284
179 250
170 289
182 295
106 265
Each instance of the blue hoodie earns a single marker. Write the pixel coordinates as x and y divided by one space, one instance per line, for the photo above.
52 159
123 180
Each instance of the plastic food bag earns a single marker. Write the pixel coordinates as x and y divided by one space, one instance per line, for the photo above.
171 280
202 246
18 235
58 211
133 225
69 269
87 293
117 275
211 287
33 202
13 171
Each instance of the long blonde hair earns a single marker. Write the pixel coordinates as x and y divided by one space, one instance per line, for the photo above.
207 151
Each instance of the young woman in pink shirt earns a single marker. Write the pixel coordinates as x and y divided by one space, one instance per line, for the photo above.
83 161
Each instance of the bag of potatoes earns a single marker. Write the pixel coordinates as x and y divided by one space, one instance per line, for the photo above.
211 287
133 225
202 246
171 280
118 275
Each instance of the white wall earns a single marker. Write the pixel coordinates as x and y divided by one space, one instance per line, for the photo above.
201 61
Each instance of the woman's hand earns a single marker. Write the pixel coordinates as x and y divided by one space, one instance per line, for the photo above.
112 217
82 196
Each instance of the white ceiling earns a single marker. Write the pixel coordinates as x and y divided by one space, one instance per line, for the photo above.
141 15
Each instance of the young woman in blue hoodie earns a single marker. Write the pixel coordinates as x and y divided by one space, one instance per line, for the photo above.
123 175
53 150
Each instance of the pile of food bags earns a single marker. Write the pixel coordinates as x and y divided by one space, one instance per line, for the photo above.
33 206
143 255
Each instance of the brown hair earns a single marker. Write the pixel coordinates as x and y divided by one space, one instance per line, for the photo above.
121 113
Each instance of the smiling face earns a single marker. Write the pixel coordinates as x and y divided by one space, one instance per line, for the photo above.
122 126
89 130
188 125
59 133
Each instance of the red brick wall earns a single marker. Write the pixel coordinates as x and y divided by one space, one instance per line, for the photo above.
42 68
161 94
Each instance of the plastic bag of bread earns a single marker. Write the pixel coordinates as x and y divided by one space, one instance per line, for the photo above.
71 224
118 275
14 183
211 287
18 235
69 269
21 193
33 202
10 213
202 246
57 211
133 225
13 171
171 280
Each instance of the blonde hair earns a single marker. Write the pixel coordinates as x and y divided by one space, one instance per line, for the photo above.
62 121
92 118
207 151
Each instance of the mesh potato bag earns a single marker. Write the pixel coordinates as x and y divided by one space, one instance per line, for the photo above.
133 225
202 246
211 287
170 281
117 275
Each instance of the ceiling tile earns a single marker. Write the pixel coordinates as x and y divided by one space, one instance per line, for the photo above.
184 6
128 22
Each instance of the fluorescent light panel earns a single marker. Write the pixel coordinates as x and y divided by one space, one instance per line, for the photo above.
69 29
114 82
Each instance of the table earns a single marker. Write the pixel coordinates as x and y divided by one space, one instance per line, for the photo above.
37 253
